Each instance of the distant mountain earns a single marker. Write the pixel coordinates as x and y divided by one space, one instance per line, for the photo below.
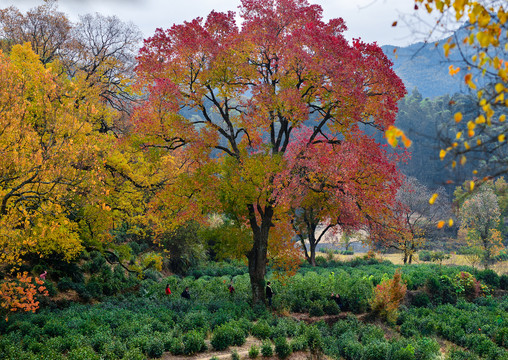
424 66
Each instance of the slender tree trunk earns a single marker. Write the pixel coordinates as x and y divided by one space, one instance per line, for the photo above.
257 256
312 259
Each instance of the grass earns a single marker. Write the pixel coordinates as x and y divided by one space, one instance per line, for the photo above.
397 259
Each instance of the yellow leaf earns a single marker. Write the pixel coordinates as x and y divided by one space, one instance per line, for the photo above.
458 117
450 222
502 118
499 87
442 154
440 224
459 135
463 160
433 198
471 185
501 137
466 145
454 163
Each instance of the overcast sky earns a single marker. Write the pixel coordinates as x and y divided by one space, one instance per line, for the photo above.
369 20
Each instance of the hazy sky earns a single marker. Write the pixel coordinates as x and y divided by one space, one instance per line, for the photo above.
369 20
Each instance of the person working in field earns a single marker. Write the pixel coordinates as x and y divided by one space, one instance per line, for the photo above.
186 293
269 293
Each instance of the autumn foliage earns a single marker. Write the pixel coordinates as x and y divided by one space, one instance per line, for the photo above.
227 101
21 294
388 296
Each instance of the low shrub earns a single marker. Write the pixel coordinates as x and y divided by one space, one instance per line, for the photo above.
299 343
266 349
282 348
503 282
176 346
377 350
235 355
253 352
331 308
488 277
316 309
155 348
193 342
261 330
223 337
420 299
387 297
424 255
458 354
134 354
82 353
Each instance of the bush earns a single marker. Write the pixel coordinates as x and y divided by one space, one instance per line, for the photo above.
503 282
405 353
155 348
134 354
253 352
194 342
266 349
235 355
261 330
82 353
299 343
387 297
176 346
488 277
316 309
420 299
222 337
457 354
376 351
331 308
314 340
424 255
282 348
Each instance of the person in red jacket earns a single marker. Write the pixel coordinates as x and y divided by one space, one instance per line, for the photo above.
168 290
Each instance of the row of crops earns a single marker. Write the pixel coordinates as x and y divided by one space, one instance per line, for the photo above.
441 315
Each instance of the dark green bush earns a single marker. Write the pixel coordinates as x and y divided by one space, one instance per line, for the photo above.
194 342
503 282
331 308
282 348
377 350
501 337
155 348
316 309
266 348
134 354
314 340
404 353
488 277
420 299
261 330
176 346
458 354
82 353
353 350
222 337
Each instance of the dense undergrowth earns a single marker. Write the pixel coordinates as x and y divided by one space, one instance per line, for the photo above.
136 320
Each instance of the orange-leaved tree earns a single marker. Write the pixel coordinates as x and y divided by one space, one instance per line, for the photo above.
225 101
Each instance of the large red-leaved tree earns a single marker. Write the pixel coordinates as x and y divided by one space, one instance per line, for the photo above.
225 100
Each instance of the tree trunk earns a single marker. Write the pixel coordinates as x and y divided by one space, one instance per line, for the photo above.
312 259
257 256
